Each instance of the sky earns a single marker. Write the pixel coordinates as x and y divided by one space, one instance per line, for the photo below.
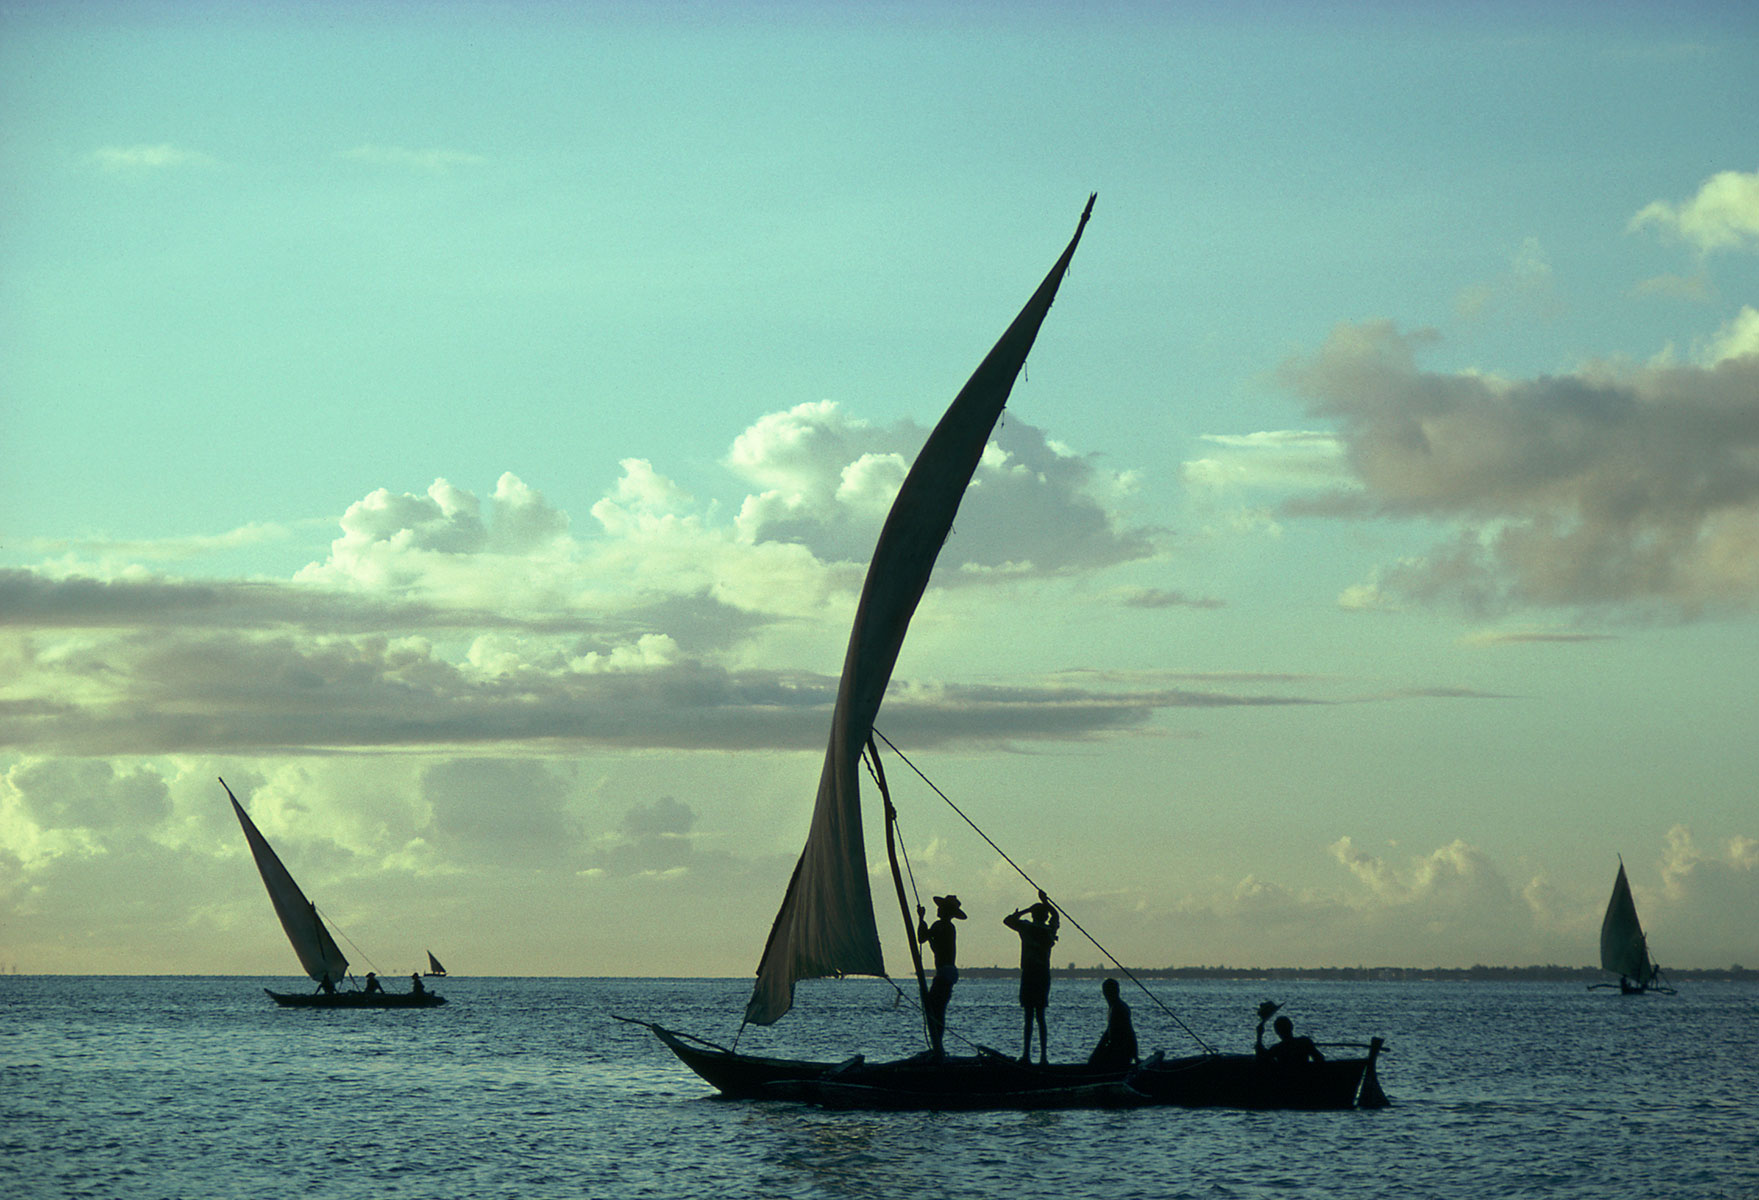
463 427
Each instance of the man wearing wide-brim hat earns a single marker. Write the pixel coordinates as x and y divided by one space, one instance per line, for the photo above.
943 940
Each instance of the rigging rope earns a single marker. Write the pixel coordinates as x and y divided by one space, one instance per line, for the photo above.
1021 871
331 922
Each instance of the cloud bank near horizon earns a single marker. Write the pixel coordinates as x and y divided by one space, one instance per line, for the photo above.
402 839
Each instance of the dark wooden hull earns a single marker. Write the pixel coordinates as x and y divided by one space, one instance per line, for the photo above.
741 1076
1245 1081
994 1081
356 999
870 1098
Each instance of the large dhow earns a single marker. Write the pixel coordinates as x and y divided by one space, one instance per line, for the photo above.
318 953
1623 949
826 924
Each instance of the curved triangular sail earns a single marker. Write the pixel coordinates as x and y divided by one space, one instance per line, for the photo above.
434 967
1623 948
826 925
317 950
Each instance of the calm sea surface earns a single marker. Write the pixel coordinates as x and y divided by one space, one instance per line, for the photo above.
202 1088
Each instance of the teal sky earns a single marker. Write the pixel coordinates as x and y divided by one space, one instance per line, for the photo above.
464 427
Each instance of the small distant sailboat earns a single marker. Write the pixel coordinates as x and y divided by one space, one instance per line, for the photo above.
435 970
1623 949
318 953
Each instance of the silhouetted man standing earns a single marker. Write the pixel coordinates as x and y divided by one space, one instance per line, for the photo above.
943 940
1037 936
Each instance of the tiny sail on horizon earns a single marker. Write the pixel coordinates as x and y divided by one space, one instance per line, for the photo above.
317 950
434 967
1623 949
825 926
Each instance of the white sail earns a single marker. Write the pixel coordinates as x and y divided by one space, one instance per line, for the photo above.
1623 948
826 925
317 950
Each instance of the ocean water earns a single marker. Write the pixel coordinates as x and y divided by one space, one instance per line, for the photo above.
202 1088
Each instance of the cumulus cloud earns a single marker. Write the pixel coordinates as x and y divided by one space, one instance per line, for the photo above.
825 482
394 540
1453 906
1723 215
1450 907
1629 489
1706 899
444 618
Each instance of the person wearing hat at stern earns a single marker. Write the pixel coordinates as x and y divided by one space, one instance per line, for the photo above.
943 940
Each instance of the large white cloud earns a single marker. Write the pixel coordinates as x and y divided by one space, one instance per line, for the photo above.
825 481
446 618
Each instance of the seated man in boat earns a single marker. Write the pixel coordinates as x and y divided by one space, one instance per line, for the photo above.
943 939
415 983
1289 1050
373 984
1117 1045
1037 936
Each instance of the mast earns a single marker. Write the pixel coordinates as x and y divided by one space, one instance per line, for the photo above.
826 925
879 775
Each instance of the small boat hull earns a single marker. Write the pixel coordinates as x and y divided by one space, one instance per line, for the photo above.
356 999
1246 1081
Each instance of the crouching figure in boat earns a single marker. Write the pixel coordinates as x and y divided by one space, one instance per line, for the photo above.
1288 1050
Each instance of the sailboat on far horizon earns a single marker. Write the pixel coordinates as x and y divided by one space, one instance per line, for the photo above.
826 926
435 970
318 953
1624 950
